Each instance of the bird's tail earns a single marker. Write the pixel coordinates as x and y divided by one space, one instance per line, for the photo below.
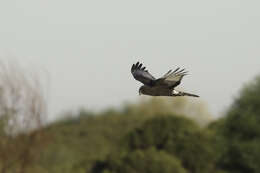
187 94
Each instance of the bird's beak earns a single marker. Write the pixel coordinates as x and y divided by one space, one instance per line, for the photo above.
140 93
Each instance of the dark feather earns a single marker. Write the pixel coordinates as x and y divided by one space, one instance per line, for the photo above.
142 75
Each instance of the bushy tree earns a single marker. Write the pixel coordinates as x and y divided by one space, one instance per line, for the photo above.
238 134
143 161
178 137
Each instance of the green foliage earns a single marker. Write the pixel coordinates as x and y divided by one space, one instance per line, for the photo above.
161 130
79 142
143 138
238 134
145 161
179 137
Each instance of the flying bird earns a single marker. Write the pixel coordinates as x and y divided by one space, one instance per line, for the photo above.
164 86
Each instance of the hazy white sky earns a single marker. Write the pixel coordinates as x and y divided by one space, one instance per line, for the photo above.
88 47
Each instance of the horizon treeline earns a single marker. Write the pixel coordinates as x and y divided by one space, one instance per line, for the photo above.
153 136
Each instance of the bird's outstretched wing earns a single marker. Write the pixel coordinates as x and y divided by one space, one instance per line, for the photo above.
172 78
142 75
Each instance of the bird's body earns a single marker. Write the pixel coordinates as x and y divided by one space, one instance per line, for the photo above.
162 91
163 86
155 91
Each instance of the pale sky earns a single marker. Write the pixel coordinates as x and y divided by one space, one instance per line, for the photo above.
88 47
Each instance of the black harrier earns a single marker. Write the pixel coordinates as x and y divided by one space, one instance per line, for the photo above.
163 86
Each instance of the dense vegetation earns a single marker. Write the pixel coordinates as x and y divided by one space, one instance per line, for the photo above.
144 138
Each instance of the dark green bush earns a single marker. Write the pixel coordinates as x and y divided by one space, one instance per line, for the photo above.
238 133
177 136
144 161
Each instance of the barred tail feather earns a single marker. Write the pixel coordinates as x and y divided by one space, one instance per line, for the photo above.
188 94
180 93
